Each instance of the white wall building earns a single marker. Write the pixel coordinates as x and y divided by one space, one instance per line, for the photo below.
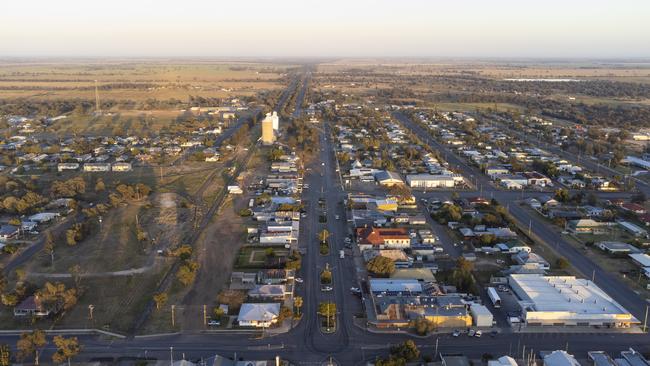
566 300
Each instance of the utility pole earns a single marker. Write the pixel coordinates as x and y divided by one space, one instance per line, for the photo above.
205 315
593 276
173 320
171 355
645 320
97 110
435 354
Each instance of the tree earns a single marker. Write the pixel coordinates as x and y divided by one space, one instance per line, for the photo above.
30 343
327 309
160 299
187 272
5 355
562 263
381 266
66 348
218 312
407 350
100 186
422 326
297 303
562 195
323 235
326 276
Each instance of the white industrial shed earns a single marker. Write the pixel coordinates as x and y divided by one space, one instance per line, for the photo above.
566 300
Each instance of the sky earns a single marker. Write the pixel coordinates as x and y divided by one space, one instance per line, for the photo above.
330 28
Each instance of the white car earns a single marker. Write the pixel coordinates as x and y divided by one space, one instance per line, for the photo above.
355 289
471 333
326 289
337 217
299 280
214 323
478 334
456 333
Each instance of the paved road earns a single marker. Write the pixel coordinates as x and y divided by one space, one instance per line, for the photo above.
350 345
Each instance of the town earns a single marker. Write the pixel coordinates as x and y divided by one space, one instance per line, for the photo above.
326 184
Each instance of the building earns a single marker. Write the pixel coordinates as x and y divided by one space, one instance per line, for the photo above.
67 166
503 361
258 314
481 316
383 238
432 181
615 247
121 167
566 300
560 358
388 179
395 287
268 133
269 292
446 311
275 120
97 167
31 307
586 226
8 232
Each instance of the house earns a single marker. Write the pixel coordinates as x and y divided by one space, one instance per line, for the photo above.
615 247
382 238
548 201
534 203
513 246
121 167
560 358
537 179
260 315
513 181
32 306
495 171
633 229
97 167
530 259
67 166
586 226
269 292
8 232
388 179
634 207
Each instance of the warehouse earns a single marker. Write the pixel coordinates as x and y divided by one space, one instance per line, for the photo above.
432 181
566 300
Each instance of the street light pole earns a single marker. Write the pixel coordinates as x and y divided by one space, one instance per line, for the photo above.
171 355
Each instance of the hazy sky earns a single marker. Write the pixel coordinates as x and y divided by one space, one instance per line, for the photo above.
360 28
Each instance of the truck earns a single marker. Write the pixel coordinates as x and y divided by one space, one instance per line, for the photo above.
494 297
341 254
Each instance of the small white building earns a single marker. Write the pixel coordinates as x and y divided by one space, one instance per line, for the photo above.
481 315
121 167
258 314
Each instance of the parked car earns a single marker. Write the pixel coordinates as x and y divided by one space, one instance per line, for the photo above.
478 334
214 323
456 333
298 279
355 289
471 333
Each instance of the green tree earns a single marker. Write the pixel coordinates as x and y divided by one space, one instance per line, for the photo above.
5 355
562 195
381 266
407 350
562 263
66 348
323 235
160 299
297 303
30 343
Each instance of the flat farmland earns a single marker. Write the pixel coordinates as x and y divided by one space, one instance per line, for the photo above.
137 81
